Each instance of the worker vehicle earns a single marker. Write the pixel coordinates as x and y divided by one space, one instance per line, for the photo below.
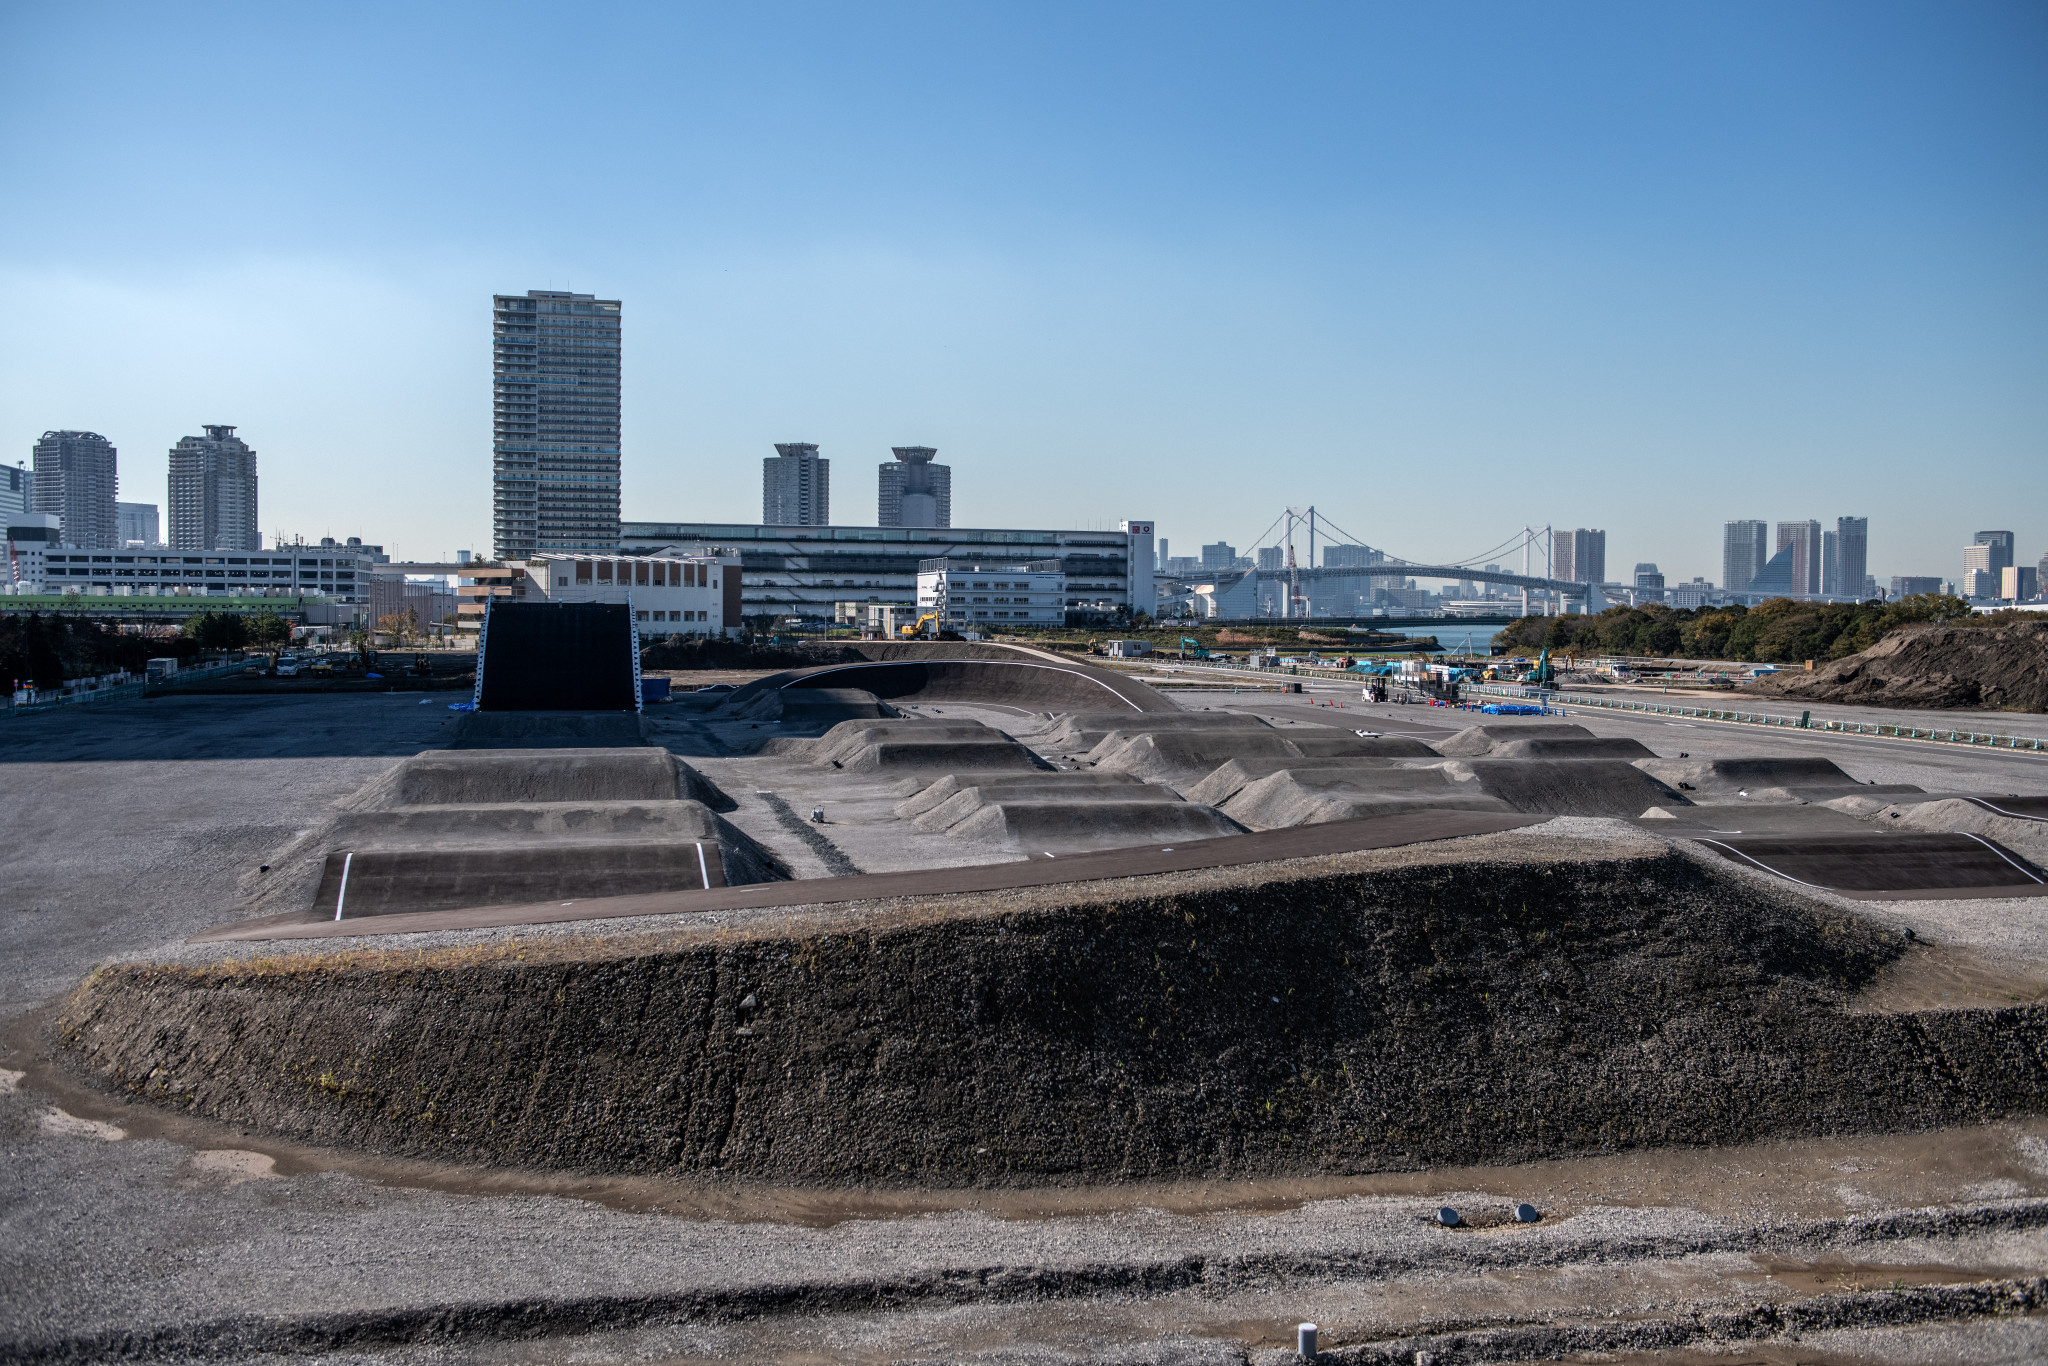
1192 648
927 619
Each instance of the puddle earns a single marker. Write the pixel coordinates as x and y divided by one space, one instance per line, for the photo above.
58 1124
1947 977
1839 1278
236 1164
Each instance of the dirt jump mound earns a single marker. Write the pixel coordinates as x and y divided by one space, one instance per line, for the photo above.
1022 683
477 828
1499 1000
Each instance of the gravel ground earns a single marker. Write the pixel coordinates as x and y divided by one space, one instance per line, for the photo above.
134 824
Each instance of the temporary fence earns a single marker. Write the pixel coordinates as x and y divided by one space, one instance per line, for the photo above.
51 700
1804 721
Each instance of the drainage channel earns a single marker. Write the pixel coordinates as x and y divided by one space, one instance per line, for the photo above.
831 855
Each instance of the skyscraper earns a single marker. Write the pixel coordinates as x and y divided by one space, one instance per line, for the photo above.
796 486
1985 560
1804 540
1222 555
17 492
913 491
1852 554
213 493
1743 554
138 522
555 423
1579 556
75 482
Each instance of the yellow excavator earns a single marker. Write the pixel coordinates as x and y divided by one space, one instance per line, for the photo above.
909 631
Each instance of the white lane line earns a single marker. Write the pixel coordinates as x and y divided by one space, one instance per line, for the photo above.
2002 854
342 895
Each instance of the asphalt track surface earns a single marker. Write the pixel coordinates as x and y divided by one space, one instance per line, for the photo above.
1335 837
1889 867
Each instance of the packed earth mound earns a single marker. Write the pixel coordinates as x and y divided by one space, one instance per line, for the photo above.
455 828
1012 679
1495 999
1992 668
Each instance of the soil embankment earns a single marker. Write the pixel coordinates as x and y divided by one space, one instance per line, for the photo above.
1513 1000
1989 668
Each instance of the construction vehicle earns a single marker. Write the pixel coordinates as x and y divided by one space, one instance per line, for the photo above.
1544 675
927 619
1200 651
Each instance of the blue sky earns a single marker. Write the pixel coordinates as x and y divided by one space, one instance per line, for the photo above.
1441 270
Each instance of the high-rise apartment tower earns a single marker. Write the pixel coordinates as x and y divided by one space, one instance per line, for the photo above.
912 491
213 493
75 481
796 486
1804 540
555 423
1579 556
1851 561
1743 553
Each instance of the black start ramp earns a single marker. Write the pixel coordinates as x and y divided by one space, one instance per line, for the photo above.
557 656
1889 867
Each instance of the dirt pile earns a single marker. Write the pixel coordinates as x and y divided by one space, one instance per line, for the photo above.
1502 1000
1990 668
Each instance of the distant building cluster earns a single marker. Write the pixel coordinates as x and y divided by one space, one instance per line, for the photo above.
556 464
1802 561
69 502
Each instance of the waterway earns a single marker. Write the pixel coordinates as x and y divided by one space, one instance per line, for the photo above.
1455 636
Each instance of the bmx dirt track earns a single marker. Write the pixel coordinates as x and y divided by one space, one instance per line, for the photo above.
1501 1001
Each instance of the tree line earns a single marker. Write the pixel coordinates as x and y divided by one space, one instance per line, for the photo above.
41 650
1780 631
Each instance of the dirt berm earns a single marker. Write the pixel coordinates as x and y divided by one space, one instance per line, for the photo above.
1992 668
1496 1000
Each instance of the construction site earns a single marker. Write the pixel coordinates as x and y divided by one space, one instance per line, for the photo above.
969 1002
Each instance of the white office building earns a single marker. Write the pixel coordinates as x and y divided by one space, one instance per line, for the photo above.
336 572
671 595
30 538
808 571
992 594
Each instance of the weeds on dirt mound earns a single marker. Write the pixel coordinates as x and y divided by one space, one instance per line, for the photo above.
1989 668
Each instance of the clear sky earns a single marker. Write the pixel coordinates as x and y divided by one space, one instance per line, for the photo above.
1439 269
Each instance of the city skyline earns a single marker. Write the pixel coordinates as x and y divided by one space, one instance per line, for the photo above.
1495 275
